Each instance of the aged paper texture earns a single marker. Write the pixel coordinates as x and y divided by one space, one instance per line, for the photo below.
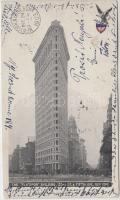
60 99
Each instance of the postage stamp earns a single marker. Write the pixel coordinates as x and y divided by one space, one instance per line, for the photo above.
60 99
25 19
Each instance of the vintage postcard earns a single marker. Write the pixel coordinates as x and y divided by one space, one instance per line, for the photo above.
60 130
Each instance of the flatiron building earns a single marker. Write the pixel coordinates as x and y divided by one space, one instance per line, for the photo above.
51 110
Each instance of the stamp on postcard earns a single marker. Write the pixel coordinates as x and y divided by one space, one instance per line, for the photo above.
25 19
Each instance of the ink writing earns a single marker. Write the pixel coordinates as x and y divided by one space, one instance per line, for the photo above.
11 94
80 73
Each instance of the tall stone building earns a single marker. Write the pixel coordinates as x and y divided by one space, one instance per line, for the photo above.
106 147
73 145
51 114
76 148
83 154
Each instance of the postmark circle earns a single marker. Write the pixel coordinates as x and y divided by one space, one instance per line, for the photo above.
25 19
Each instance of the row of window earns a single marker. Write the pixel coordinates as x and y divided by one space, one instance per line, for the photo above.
47 158
45 120
44 127
48 117
46 98
47 51
43 113
42 138
45 71
47 143
48 151
42 131
48 136
43 89
42 144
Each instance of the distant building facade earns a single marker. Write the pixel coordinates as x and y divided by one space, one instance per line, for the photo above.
23 159
73 145
51 114
106 147
10 163
76 148
14 160
27 158
83 154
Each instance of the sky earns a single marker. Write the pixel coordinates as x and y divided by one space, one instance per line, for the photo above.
94 93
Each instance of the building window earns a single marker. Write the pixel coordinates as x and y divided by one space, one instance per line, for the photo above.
56 121
56 108
56 38
55 61
51 44
56 142
56 93
56 127
56 81
56 134
56 166
56 148
56 46
56 88
46 51
56 68
56 101
56 54
56 157
48 48
56 74
56 114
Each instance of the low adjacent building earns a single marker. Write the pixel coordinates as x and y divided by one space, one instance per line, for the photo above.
29 161
23 159
14 160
